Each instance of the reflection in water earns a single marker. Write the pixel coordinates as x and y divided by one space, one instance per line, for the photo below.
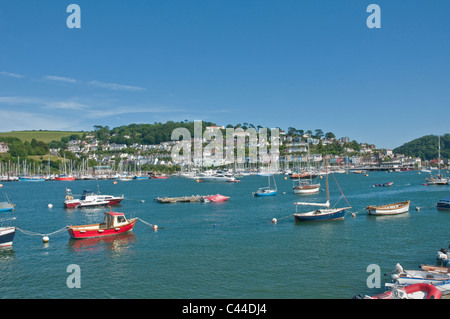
116 243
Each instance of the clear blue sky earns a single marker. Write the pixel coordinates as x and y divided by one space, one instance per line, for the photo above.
307 64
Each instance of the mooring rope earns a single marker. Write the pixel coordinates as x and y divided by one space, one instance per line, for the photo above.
30 233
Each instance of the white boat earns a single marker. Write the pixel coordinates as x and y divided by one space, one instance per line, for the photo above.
401 277
390 209
217 178
306 186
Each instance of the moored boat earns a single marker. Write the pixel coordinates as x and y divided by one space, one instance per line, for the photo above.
388 184
6 206
389 209
409 277
304 187
90 199
444 204
216 198
415 291
323 214
64 177
7 236
113 224
268 190
31 179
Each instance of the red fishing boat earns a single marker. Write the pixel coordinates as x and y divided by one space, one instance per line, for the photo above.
113 224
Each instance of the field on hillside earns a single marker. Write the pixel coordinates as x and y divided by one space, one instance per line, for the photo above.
44 136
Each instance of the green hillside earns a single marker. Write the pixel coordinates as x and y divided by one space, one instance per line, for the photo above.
426 147
44 136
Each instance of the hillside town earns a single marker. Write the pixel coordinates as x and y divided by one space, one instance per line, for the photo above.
94 157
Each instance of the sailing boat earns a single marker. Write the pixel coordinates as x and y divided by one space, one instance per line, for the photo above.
306 186
267 191
439 179
323 214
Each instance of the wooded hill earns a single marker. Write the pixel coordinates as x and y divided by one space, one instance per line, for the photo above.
426 147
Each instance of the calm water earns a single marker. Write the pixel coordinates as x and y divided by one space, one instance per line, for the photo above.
220 250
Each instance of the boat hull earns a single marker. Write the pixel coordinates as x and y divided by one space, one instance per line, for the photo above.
392 209
321 215
7 236
268 193
312 189
94 230
416 291
64 178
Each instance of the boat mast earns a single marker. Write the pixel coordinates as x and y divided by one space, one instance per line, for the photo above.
326 178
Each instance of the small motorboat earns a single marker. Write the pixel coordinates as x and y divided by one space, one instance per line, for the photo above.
90 199
113 224
416 291
384 184
390 209
216 198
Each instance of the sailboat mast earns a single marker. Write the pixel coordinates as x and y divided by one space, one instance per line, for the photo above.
326 177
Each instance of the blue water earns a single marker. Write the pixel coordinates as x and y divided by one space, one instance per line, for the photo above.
220 250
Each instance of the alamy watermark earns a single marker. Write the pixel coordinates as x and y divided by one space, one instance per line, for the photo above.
209 148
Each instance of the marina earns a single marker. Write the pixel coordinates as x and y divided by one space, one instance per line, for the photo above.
232 249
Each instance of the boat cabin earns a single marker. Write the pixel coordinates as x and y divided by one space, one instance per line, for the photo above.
113 220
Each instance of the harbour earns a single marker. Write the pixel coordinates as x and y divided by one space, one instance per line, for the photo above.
228 249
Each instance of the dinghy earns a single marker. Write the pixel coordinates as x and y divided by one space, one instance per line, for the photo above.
390 209
416 291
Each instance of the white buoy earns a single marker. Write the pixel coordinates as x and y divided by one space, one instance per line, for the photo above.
274 220
50 205
45 239
155 227
353 215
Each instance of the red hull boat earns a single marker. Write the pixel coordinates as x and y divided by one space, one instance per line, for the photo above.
64 178
415 291
114 224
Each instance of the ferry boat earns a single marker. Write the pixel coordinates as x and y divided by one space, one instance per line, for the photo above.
113 224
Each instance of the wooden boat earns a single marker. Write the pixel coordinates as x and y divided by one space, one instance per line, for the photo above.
416 291
438 269
325 214
305 187
113 224
390 209
444 204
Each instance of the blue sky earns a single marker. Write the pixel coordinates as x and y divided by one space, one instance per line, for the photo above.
307 64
